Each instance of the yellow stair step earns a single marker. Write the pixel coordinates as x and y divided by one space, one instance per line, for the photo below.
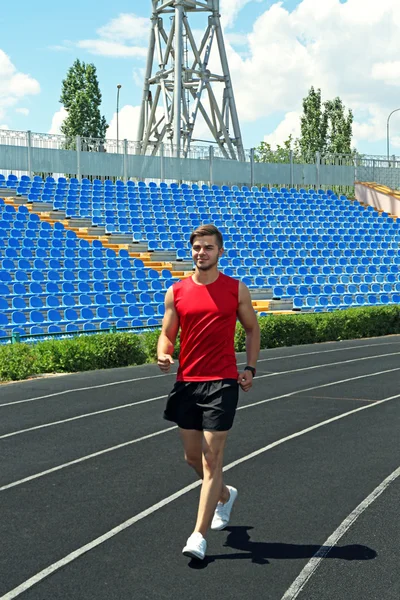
82 233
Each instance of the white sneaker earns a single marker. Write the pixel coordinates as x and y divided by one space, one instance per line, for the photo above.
196 546
223 511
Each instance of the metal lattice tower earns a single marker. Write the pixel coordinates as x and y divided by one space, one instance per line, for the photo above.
174 92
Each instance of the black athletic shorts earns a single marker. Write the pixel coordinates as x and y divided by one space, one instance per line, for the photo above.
200 405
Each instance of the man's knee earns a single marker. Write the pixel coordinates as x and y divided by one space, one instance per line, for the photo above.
212 460
193 460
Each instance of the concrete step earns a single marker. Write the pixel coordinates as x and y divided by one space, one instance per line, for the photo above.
116 242
136 247
166 255
9 193
261 293
20 200
40 207
58 215
180 266
79 223
283 305
96 231
116 238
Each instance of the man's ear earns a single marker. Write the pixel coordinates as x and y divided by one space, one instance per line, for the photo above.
220 252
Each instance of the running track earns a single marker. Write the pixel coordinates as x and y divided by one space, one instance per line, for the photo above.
96 501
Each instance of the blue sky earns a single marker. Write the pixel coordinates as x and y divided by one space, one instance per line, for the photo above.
284 48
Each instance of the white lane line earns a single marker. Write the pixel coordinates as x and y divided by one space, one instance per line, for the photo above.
342 349
97 412
332 364
84 458
313 564
112 448
323 385
93 387
26 585
122 406
84 389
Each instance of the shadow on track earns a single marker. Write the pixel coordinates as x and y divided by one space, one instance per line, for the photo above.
260 552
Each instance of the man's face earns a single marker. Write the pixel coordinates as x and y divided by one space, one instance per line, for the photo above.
205 252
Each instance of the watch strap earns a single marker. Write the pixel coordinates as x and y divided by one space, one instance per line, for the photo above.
252 369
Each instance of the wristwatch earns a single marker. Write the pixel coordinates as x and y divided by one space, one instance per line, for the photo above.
252 369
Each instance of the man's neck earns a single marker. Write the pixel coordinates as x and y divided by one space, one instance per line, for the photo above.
205 277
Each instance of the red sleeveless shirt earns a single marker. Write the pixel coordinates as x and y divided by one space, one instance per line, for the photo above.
207 316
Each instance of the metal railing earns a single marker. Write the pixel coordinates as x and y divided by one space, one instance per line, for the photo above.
26 152
15 337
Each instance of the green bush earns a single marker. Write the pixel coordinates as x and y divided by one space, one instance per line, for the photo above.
309 328
85 353
150 341
116 350
17 361
105 350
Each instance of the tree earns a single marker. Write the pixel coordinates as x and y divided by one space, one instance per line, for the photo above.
314 126
340 128
264 152
325 128
81 98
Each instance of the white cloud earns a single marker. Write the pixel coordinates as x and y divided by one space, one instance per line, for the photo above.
128 122
67 46
114 49
126 27
4 127
13 85
339 47
57 121
336 46
289 126
23 111
120 37
237 39
388 72
138 76
230 9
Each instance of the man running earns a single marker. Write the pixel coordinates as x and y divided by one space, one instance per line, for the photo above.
203 400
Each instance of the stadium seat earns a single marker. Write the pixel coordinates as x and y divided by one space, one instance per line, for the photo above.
315 249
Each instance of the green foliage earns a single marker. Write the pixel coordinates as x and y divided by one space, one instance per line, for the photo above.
309 328
17 361
340 127
85 353
314 126
116 350
105 351
150 341
264 153
325 128
240 338
81 97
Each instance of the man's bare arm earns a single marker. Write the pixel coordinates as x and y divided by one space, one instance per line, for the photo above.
169 331
248 319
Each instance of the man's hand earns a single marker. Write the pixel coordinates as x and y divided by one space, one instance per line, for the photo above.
245 380
164 362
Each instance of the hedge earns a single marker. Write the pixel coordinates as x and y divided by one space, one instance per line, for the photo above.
105 351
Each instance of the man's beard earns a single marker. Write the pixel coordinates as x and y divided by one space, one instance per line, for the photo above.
206 267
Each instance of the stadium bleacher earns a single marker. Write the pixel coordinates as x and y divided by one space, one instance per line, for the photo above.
319 251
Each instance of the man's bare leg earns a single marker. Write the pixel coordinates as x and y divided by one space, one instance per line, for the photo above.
213 454
192 440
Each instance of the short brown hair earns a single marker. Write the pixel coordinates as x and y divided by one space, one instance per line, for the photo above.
208 230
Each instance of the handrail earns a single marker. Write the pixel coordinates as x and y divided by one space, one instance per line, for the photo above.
17 337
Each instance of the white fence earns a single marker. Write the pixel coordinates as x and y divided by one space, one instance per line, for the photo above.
29 153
